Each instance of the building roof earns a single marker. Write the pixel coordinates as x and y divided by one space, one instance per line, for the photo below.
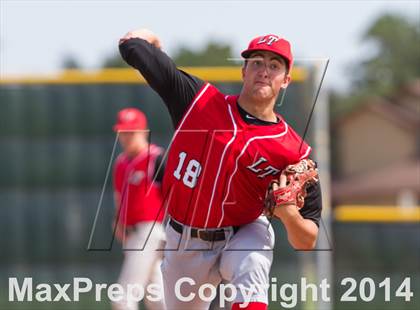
402 109
390 180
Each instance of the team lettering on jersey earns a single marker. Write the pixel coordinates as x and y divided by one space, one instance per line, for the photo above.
262 168
136 177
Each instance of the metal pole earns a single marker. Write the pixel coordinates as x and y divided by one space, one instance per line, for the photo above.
322 147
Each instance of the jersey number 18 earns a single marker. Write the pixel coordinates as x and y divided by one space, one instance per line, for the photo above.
190 174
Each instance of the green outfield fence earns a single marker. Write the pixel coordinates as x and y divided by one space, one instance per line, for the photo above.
56 140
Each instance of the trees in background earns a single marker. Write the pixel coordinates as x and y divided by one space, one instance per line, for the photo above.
70 62
213 54
114 61
395 61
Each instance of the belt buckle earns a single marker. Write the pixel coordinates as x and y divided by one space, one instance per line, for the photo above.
205 234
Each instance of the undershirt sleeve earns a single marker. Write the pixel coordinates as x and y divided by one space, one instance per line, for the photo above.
313 204
176 87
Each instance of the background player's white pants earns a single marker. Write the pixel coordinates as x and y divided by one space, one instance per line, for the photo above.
244 259
142 267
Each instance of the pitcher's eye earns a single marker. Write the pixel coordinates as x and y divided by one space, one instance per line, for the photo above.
274 67
257 63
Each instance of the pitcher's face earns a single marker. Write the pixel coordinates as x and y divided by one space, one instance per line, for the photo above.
264 75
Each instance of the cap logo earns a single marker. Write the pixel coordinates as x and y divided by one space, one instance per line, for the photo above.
268 40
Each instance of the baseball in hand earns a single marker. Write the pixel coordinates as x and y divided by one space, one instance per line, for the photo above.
144 34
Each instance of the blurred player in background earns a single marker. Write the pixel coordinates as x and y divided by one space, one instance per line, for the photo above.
138 201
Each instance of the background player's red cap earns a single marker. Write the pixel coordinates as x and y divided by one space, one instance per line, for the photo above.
271 43
130 119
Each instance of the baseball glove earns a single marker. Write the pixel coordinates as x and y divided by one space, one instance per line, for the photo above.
290 188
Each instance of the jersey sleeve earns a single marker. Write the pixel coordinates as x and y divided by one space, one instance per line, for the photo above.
176 87
304 150
297 146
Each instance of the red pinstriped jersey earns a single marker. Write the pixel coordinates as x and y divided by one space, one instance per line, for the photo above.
219 166
140 200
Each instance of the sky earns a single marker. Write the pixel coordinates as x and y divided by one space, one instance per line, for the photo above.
35 36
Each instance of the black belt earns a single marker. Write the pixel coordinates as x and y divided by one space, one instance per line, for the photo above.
203 234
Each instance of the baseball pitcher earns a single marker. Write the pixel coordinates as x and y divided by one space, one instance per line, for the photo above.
233 163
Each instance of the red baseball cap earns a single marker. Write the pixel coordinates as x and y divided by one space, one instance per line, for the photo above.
271 43
130 119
